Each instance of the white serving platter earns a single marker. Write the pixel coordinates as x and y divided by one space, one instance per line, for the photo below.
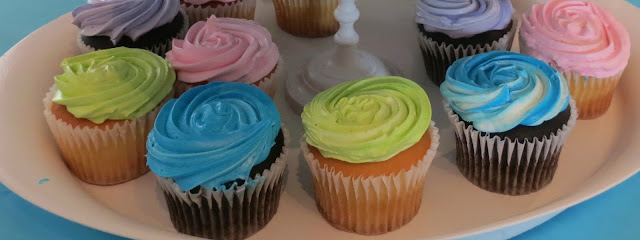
598 154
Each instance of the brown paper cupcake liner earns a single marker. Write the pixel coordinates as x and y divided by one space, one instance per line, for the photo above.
160 48
267 84
508 166
593 95
439 56
235 213
103 156
372 205
237 9
307 18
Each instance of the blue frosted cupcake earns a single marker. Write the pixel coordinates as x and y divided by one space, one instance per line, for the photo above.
452 29
511 114
218 152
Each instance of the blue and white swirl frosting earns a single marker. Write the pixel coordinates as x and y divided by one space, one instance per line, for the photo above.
117 18
463 18
213 134
500 90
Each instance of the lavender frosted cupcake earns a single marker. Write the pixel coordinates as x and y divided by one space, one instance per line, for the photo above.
454 29
145 24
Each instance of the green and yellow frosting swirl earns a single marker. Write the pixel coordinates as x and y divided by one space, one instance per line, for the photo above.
368 120
117 84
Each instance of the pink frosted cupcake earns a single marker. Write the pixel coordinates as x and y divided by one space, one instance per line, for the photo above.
584 42
200 10
228 50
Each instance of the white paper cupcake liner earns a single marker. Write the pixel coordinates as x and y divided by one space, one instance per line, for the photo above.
103 156
238 9
593 95
372 205
307 18
160 48
508 166
267 84
235 213
439 56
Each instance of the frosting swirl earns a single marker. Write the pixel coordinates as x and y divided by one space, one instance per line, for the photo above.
213 134
500 90
118 83
200 2
117 18
368 120
224 49
463 18
576 36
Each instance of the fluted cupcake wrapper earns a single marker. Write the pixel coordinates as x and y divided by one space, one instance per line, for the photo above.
161 48
307 18
508 166
235 213
103 156
373 205
439 56
593 95
268 84
237 9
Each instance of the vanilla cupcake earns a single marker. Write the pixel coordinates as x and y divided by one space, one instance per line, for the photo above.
584 42
453 29
101 109
307 18
511 115
145 24
369 144
200 10
227 50
219 153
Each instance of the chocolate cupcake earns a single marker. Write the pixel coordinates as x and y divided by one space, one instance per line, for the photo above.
145 24
511 115
219 154
585 43
201 10
450 30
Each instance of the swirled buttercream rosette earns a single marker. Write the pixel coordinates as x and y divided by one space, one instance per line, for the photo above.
307 18
369 144
584 42
199 10
227 50
144 24
450 30
511 116
100 129
218 152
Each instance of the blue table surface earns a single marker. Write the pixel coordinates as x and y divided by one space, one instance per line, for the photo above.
613 215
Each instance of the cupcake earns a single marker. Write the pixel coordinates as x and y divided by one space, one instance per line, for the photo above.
145 24
229 50
200 10
101 109
219 155
450 30
511 115
307 18
585 43
369 144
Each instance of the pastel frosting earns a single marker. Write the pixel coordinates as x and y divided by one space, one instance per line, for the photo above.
224 49
368 120
576 36
200 2
213 134
119 83
500 90
117 18
463 18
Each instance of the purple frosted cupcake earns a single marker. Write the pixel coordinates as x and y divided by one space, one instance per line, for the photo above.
145 24
453 29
